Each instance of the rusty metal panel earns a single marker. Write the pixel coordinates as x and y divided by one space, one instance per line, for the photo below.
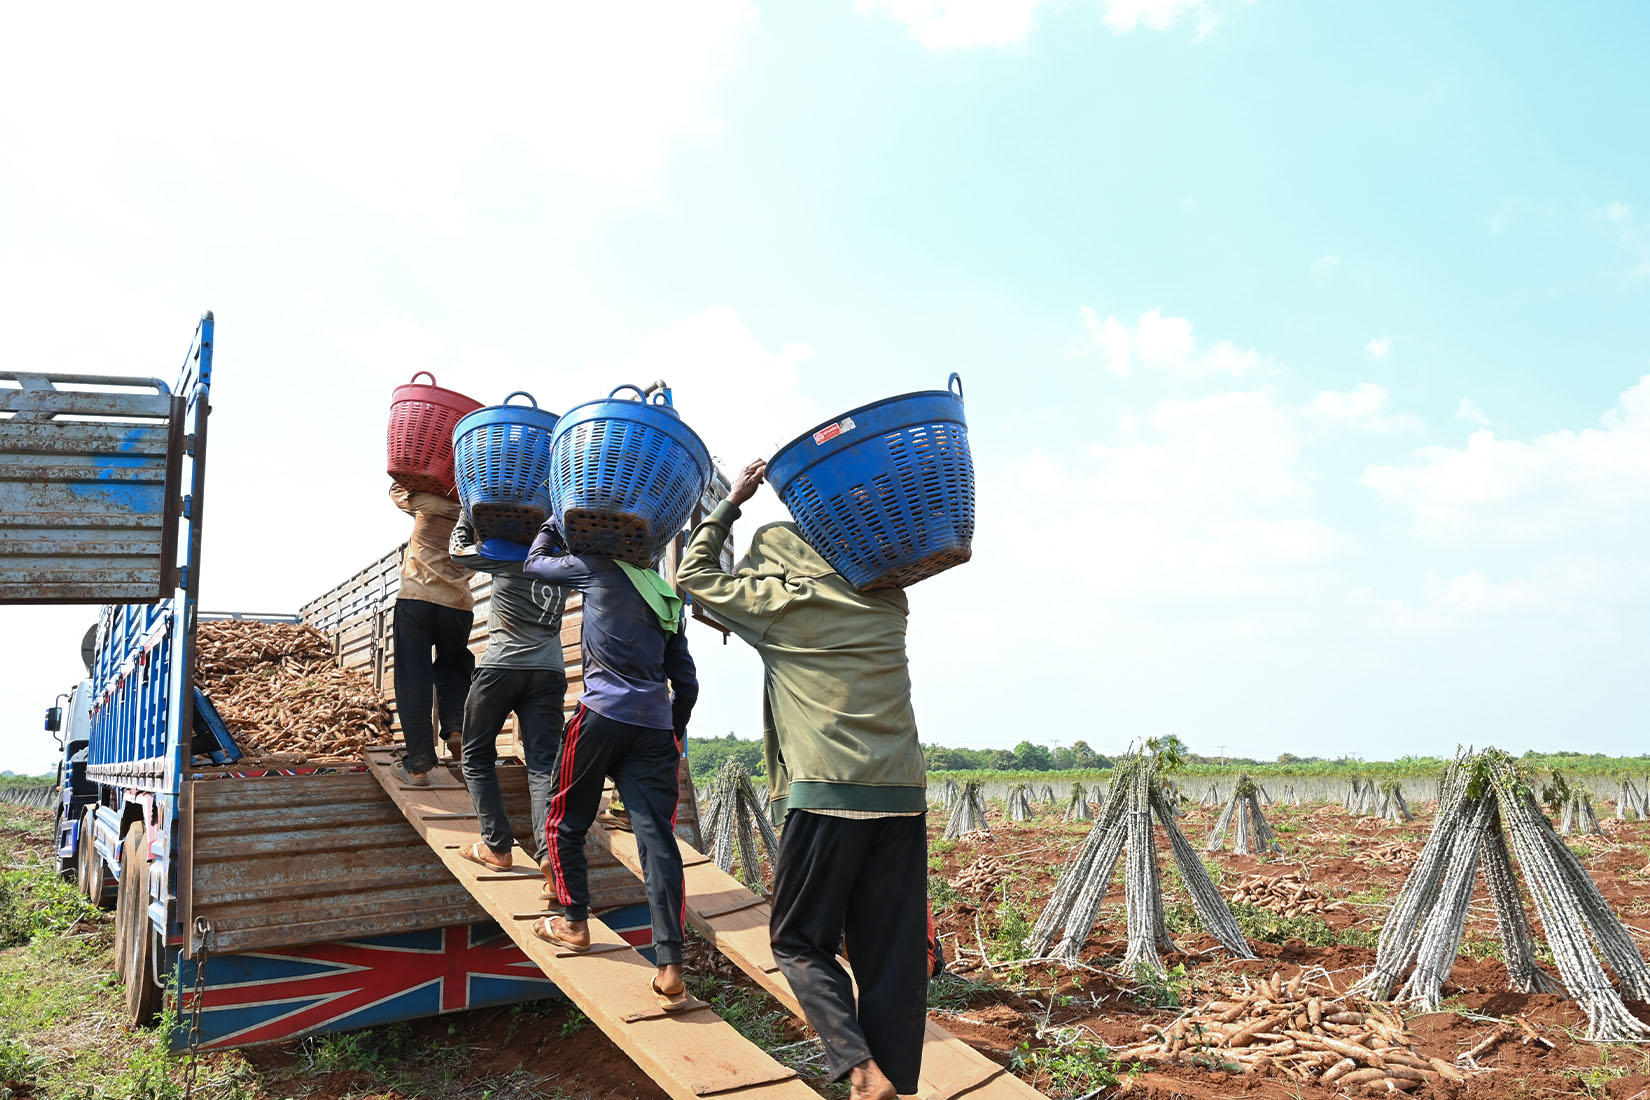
89 497
281 860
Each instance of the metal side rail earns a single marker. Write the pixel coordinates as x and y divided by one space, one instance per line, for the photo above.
724 911
689 1054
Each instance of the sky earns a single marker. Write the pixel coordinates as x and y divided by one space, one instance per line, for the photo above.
1306 347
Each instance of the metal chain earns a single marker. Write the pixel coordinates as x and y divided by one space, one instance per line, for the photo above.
203 936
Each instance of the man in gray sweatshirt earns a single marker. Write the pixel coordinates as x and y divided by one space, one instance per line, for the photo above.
523 672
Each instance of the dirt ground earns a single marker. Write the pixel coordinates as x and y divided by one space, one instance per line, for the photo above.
1359 863
1055 1027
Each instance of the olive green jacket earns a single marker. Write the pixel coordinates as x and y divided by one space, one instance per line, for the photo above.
840 733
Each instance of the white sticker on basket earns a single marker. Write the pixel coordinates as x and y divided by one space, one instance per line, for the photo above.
831 431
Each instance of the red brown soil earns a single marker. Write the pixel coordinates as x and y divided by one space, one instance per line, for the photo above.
1331 845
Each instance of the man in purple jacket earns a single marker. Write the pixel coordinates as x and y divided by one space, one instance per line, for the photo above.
639 689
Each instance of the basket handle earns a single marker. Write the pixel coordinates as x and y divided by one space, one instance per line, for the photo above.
637 390
426 374
660 394
520 393
954 383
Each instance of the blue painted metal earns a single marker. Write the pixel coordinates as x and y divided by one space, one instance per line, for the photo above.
501 459
885 493
625 475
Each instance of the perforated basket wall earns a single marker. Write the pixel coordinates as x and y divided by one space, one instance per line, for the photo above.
502 458
890 500
624 479
420 437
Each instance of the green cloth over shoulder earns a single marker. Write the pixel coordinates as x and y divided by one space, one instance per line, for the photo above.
659 596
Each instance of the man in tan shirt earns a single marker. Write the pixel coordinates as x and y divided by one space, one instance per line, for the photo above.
433 617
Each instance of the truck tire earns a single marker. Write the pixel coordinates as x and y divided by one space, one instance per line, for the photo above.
89 866
132 928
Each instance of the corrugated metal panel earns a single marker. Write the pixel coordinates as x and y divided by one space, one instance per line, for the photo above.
88 488
283 860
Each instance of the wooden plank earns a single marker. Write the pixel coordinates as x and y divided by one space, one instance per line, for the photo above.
722 910
689 1056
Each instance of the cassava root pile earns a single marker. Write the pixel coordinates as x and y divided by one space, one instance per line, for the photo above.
277 689
1280 1028
1288 895
982 876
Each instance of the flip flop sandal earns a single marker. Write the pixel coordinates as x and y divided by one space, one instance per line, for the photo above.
546 931
547 892
474 854
670 1002
620 822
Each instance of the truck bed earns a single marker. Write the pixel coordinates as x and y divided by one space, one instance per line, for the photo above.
284 859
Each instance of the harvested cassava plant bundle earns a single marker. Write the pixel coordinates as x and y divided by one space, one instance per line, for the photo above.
1487 815
1019 804
1280 1028
1632 804
1127 819
279 691
952 793
1290 895
1250 832
1362 799
1393 806
968 815
734 816
1047 797
1077 807
1289 796
1211 797
1579 816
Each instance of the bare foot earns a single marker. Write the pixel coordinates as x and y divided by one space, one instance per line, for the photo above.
669 980
866 1081
575 932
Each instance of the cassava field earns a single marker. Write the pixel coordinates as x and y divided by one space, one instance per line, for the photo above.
1311 912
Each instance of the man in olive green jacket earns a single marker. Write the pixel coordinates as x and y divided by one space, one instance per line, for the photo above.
846 770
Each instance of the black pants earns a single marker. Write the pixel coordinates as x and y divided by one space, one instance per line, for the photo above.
643 765
868 880
420 628
536 696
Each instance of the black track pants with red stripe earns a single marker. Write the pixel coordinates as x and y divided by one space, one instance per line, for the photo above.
643 765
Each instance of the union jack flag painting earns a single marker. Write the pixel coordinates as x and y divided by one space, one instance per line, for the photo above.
284 993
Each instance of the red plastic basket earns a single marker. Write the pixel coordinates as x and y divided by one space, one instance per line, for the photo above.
421 434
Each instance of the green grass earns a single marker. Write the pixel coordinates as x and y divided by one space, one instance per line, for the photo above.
1068 1066
953 992
753 1013
1269 927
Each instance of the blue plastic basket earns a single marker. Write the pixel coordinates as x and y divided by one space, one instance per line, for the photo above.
886 492
501 456
625 475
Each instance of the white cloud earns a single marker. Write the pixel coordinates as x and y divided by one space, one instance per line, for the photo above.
1469 411
971 24
1618 212
1554 485
1325 267
1379 348
266 108
960 24
1365 408
1586 585
1166 344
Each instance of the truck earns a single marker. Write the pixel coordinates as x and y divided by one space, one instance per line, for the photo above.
275 899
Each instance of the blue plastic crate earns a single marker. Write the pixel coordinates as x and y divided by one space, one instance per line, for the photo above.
625 475
886 492
501 458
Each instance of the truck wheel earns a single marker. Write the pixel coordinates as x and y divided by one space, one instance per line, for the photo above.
132 928
90 871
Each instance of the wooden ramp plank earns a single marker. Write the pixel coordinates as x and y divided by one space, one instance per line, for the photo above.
722 910
690 1056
